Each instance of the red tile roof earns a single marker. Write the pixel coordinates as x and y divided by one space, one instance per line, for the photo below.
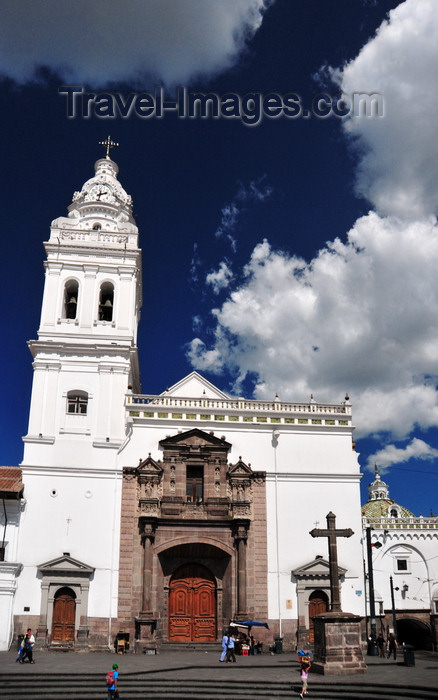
11 484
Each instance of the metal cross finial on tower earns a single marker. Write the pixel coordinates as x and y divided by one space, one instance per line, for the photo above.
109 144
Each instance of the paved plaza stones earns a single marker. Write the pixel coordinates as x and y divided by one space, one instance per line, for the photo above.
198 674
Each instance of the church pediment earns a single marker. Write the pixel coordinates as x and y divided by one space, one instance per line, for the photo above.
400 551
194 438
65 564
150 467
197 387
316 569
239 469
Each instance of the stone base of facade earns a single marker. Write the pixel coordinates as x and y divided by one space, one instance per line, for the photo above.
338 649
91 635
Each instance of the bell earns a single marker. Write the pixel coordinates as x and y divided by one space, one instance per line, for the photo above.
108 302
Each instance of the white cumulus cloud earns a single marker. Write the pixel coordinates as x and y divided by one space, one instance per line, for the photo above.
256 191
398 166
220 278
362 316
390 454
98 42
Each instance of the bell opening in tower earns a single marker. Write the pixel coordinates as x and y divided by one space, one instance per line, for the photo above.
71 299
106 302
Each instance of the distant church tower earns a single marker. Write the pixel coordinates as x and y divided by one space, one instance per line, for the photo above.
85 361
377 490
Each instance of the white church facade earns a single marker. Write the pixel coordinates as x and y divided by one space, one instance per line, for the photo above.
164 516
405 568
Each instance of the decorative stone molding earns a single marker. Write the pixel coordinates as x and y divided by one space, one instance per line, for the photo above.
58 573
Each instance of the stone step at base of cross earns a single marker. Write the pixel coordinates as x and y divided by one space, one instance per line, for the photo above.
189 646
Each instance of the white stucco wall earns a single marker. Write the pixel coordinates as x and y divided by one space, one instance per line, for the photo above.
69 511
10 568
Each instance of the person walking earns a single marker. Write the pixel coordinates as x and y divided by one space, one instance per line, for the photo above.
29 641
392 646
113 683
381 645
305 666
230 651
20 650
223 655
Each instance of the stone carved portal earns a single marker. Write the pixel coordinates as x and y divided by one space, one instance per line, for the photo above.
192 605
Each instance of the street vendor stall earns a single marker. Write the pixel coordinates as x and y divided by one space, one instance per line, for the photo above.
245 644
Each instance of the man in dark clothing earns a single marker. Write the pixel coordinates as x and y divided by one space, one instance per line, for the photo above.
392 646
381 645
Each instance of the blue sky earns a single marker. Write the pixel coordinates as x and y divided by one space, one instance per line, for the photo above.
296 255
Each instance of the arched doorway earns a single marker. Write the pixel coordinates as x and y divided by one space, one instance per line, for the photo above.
192 605
414 632
318 603
64 612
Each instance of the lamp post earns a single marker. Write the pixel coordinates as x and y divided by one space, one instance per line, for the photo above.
372 643
394 619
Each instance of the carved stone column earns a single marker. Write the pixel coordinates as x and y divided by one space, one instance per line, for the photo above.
148 538
240 538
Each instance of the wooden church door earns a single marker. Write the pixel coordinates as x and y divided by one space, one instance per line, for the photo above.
192 605
64 610
318 603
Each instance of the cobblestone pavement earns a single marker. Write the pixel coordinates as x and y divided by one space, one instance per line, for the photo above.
205 665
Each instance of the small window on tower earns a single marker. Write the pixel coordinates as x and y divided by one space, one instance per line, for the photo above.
106 302
402 564
194 485
71 299
77 402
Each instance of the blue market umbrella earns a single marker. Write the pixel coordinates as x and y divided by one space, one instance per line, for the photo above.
254 623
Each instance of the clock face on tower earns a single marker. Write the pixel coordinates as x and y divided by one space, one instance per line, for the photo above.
100 193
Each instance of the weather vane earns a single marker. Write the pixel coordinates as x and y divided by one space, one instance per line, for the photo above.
109 144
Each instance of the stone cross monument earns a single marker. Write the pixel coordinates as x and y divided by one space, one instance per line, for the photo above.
332 533
338 646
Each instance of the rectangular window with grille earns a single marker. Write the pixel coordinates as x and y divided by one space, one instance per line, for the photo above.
194 484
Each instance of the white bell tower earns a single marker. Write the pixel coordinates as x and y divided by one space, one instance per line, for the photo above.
85 361
85 358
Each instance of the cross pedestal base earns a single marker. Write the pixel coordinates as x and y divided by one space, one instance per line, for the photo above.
338 649
145 626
